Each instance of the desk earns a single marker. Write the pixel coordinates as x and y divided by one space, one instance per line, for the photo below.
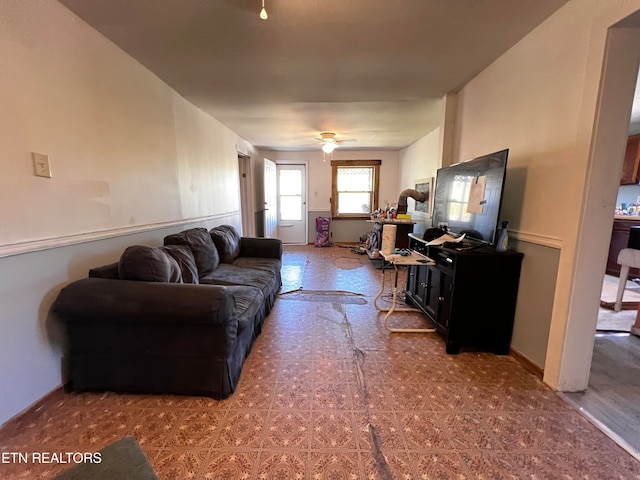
414 258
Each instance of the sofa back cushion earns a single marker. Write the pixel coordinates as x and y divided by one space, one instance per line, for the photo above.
227 241
186 261
201 245
148 264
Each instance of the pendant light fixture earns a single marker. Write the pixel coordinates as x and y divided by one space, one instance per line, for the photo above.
263 12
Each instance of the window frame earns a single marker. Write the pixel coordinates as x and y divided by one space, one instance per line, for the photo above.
335 164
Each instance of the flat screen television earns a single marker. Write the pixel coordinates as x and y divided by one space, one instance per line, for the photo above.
468 197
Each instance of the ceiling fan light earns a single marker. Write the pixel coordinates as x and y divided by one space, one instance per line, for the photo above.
263 12
328 147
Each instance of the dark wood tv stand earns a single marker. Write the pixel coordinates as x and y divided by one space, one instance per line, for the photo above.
470 294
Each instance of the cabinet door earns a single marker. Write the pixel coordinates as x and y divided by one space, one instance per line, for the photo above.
446 289
420 291
432 294
631 161
413 285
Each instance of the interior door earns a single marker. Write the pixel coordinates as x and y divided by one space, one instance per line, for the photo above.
270 200
292 204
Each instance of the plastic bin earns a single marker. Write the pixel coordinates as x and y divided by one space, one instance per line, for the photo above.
323 235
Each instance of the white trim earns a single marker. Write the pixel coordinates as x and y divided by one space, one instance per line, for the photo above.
292 162
56 242
546 240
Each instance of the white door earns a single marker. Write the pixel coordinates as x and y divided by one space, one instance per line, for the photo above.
270 200
292 204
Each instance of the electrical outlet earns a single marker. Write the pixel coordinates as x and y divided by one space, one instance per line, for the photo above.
637 199
41 166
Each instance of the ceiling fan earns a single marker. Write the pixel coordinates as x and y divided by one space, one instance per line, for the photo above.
329 141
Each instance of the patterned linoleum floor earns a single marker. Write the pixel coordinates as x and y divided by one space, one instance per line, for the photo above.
328 393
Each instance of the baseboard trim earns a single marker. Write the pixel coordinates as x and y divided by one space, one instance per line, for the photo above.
527 364
30 414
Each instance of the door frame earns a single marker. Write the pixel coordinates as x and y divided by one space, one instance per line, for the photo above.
305 216
612 69
245 181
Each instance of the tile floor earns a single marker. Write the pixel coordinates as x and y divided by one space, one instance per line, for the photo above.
328 393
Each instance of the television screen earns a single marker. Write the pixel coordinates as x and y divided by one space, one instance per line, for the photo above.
468 196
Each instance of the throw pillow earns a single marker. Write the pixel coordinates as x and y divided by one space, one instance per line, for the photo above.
186 261
148 264
227 241
201 245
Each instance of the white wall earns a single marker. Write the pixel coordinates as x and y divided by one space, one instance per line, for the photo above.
128 154
319 172
319 185
540 100
417 161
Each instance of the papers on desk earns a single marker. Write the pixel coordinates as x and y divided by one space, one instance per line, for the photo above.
414 258
446 238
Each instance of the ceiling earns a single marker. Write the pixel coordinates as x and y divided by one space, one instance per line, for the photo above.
371 70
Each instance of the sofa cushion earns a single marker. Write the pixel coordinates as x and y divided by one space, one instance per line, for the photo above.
227 241
271 265
148 264
249 305
227 274
202 246
186 261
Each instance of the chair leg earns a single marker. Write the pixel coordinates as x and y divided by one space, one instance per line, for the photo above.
624 274
635 330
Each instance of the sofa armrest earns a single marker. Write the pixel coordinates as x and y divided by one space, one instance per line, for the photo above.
105 271
261 247
128 301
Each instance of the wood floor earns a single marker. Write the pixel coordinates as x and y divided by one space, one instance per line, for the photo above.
611 400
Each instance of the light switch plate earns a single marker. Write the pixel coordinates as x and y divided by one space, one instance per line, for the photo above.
41 166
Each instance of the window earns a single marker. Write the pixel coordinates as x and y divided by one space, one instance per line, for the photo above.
290 194
354 188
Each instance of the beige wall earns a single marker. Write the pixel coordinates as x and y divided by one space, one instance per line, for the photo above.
418 161
125 149
540 100
129 157
319 185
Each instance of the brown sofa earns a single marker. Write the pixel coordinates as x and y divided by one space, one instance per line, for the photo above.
177 319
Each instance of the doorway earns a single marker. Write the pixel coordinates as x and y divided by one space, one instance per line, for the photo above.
587 363
270 200
246 195
292 203
575 311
